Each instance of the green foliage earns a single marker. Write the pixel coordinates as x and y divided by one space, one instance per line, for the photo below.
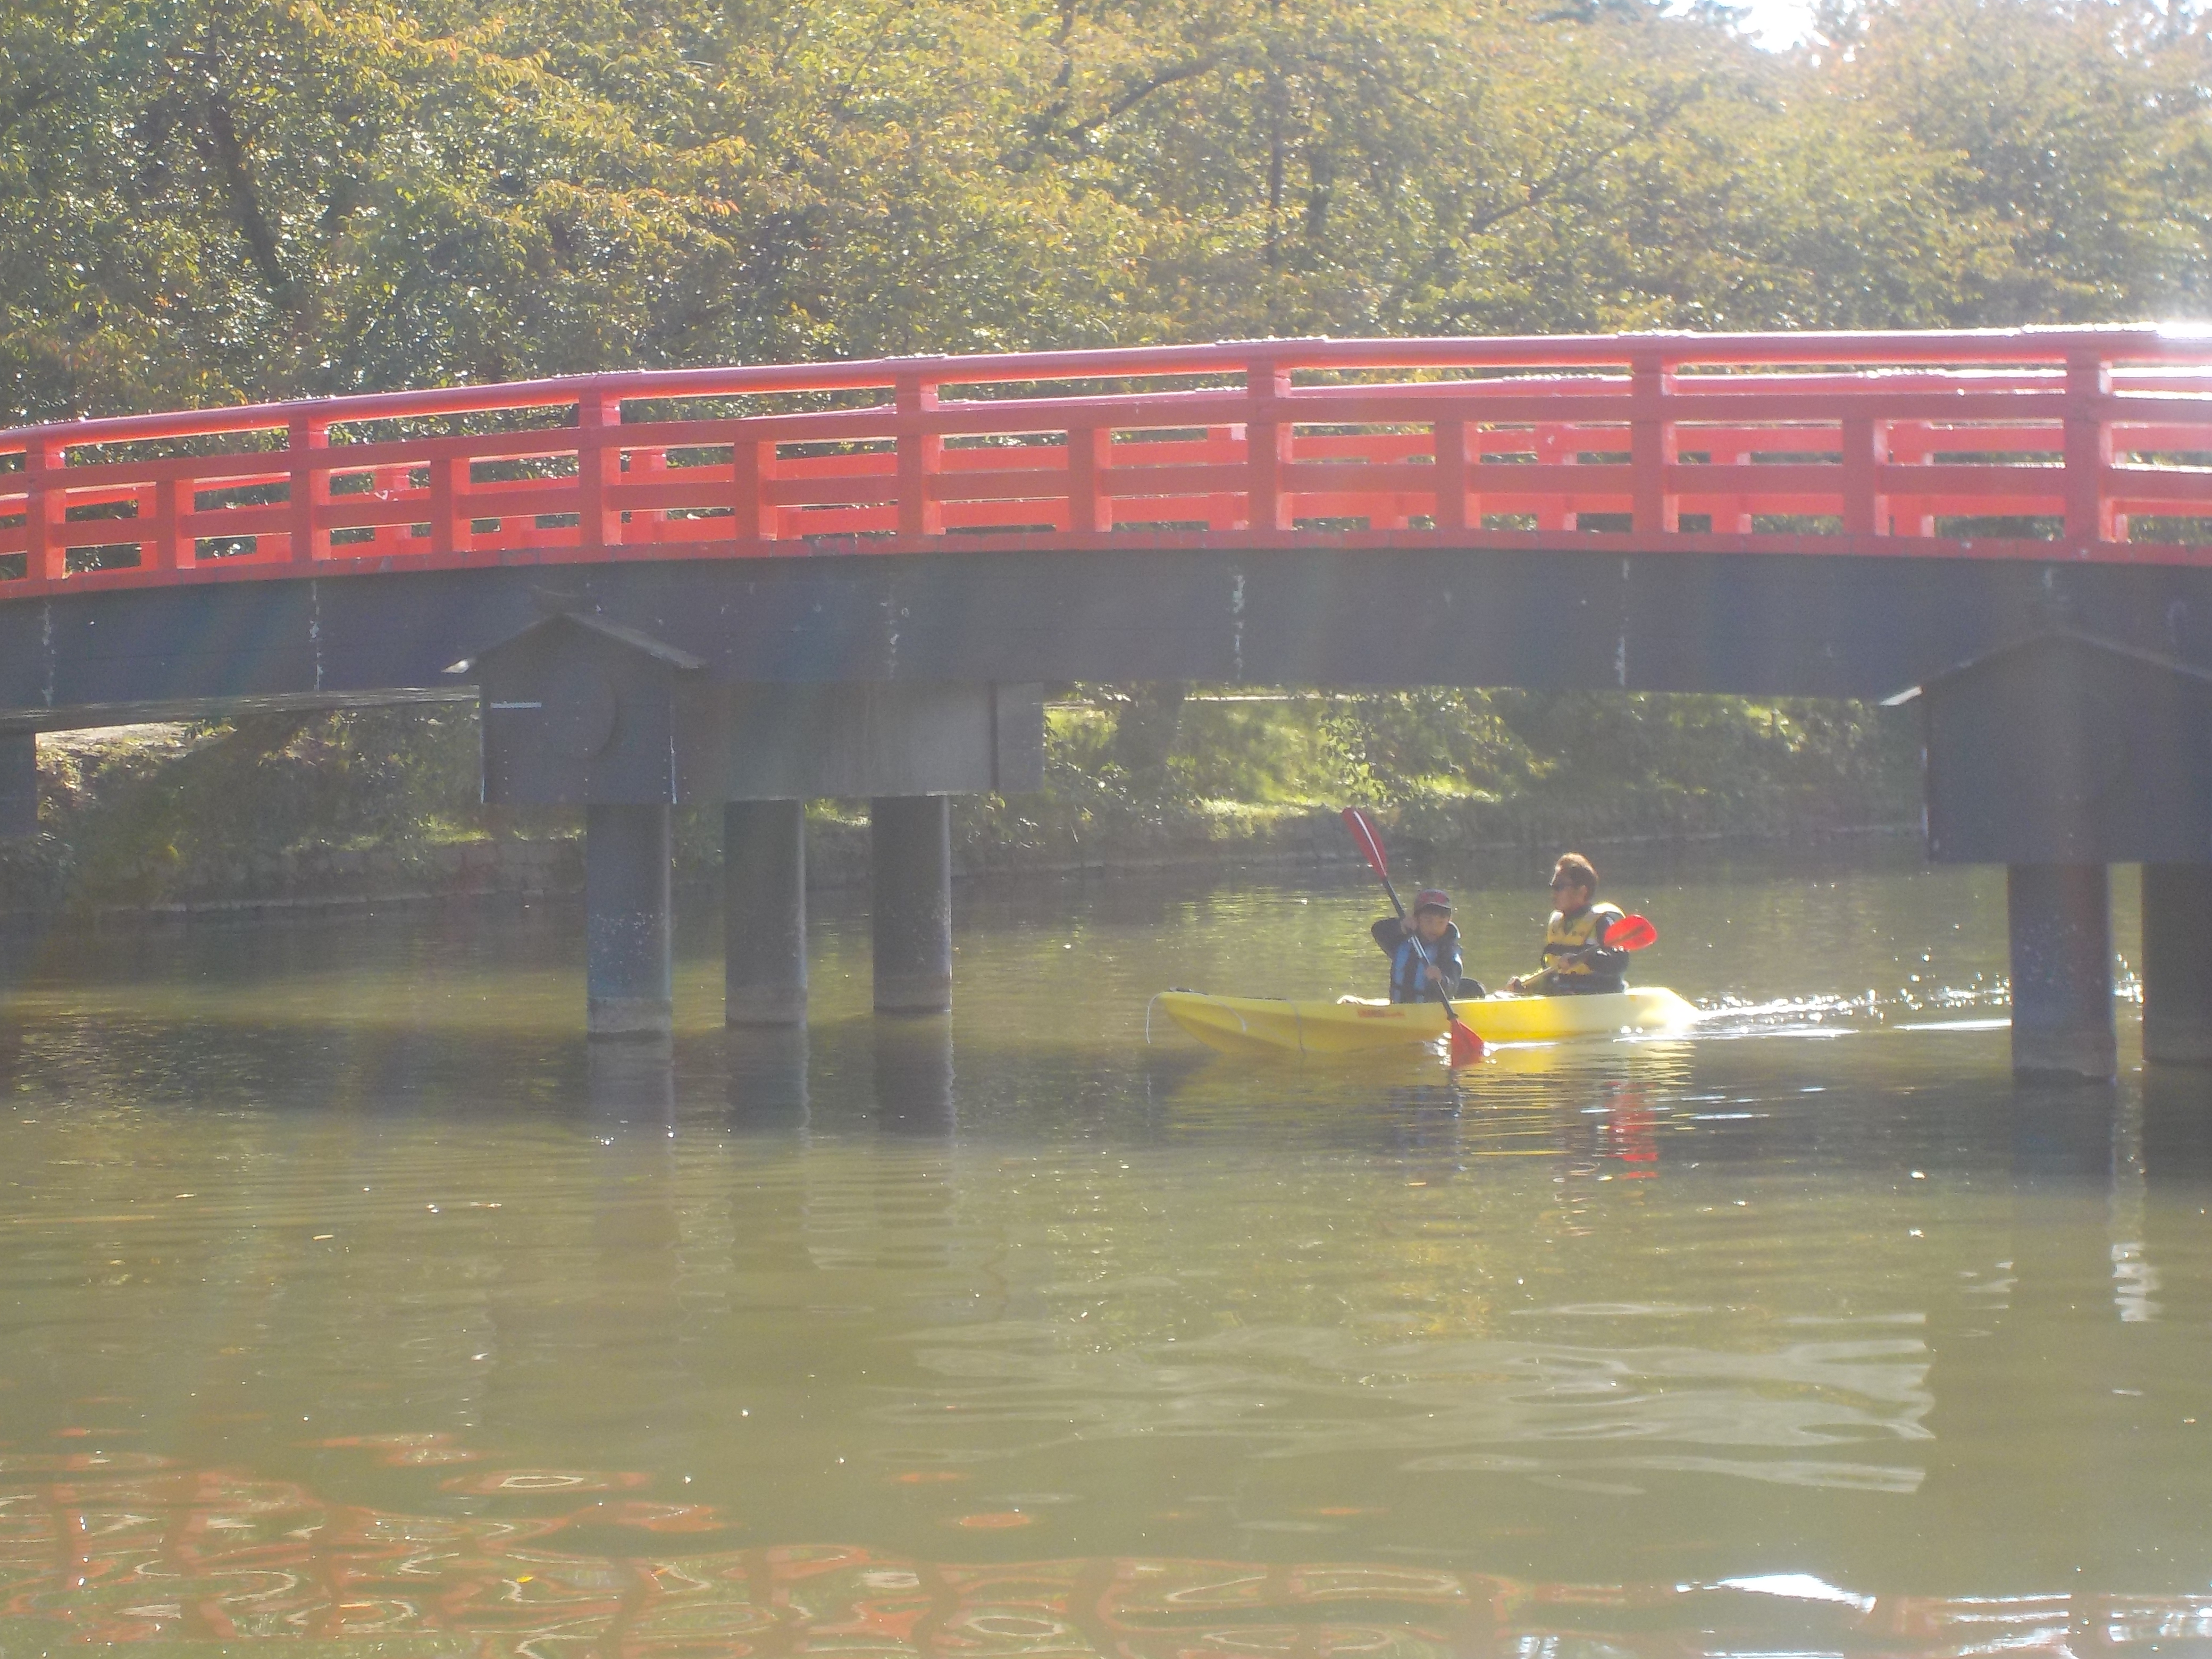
1441 746
1403 745
206 200
138 816
1593 743
1270 752
151 815
2072 138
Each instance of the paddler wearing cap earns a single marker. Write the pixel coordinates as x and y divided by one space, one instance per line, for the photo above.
1424 952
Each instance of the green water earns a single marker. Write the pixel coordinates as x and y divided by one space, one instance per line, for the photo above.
346 1299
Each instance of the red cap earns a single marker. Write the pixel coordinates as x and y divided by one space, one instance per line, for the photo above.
1432 898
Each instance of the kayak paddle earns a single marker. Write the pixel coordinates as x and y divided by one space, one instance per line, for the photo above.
1465 1046
1630 934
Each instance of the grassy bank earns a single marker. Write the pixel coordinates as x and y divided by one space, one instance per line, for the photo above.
379 804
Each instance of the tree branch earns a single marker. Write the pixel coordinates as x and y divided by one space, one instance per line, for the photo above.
1131 97
218 142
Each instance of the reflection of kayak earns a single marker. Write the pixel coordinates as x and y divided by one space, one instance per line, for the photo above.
1269 1024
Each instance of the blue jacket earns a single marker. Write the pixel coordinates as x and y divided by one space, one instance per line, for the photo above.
1408 983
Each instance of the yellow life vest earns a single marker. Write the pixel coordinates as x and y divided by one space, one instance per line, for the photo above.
1566 937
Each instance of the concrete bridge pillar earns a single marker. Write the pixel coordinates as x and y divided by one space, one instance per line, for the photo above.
578 707
628 972
2176 963
910 910
19 784
2060 918
764 912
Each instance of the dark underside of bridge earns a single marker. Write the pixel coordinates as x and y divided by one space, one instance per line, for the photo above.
2068 707
1754 624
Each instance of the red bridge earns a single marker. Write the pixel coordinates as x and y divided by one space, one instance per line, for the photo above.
617 570
2098 440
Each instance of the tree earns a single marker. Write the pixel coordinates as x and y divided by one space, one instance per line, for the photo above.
206 200
2073 135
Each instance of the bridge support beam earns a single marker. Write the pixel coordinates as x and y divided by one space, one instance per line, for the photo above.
19 784
627 955
2176 963
2060 917
764 912
910 910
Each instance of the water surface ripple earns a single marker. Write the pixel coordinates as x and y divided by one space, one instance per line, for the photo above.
346 1297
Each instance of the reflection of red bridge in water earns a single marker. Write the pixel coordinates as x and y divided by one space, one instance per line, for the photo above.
1879 443
121 1548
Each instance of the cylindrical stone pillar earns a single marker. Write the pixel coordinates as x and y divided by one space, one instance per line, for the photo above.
764 912
910 881
626 969
19 784
2061 923
2176 963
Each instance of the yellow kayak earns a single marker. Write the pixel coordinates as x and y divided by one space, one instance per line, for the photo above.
1272 1026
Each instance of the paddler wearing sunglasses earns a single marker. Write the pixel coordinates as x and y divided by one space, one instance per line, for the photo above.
1575 961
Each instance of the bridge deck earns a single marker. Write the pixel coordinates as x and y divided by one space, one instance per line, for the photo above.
2075 444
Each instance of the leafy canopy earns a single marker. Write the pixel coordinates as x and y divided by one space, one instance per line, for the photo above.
206 200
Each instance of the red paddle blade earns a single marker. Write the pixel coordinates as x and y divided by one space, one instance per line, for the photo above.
1630 934
1370 843
1465 1046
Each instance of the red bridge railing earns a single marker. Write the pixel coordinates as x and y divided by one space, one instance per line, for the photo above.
2089 444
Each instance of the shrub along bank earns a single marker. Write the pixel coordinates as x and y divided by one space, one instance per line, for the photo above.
382 804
